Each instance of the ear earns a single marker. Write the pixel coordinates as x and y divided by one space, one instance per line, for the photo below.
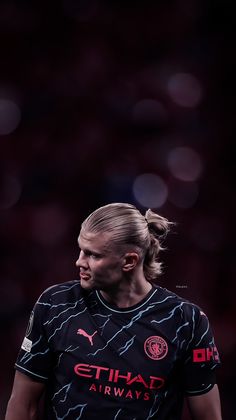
131 259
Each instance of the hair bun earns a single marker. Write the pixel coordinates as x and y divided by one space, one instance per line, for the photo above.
157 224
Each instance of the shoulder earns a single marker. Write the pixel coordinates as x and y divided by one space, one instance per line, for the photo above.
60 292
173 301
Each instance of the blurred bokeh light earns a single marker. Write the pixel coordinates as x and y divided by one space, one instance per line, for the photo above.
185 163
150 190
10 191
10 116
185 90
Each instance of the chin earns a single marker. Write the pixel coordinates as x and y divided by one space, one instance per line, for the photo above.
87 285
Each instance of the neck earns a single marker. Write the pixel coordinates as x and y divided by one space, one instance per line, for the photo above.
127 297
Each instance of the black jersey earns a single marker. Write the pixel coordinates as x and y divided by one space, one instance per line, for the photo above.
100 361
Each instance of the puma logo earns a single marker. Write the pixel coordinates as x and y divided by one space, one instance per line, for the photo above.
89 337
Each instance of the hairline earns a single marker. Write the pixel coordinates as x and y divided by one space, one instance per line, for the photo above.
112 245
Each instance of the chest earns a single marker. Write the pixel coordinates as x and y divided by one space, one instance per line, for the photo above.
138 349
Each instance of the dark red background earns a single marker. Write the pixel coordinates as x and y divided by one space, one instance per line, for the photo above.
77 70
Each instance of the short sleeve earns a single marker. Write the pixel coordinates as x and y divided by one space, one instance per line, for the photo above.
202 357
35 357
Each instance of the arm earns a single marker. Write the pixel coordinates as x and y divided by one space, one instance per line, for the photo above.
23 403
205 406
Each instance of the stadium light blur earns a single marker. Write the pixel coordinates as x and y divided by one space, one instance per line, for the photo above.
150 190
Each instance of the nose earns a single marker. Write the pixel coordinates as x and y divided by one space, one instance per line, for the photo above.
82 261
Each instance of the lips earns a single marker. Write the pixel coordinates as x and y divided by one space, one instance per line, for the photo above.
84 276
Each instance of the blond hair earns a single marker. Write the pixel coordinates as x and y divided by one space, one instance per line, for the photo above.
129 227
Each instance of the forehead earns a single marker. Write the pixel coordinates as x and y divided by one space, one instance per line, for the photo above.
94 241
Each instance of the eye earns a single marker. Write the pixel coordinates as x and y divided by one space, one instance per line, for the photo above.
91 254
95 256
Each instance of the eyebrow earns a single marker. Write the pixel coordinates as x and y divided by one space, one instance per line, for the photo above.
89 250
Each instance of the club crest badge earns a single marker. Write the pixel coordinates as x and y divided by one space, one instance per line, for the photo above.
155 347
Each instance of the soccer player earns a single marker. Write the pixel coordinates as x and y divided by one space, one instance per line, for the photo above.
114 344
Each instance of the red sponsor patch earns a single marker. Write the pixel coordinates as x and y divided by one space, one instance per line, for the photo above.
155 347
205 354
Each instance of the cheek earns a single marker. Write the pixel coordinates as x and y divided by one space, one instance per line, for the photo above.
101 269
97 267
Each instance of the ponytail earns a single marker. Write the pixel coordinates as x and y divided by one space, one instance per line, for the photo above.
158 228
